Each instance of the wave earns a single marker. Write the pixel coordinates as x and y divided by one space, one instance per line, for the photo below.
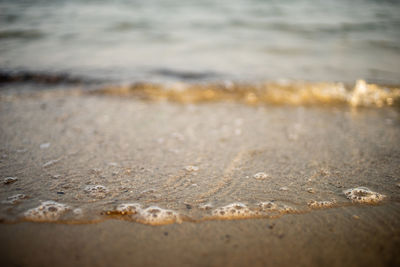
278 93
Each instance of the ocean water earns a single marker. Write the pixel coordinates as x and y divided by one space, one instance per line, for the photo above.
200 41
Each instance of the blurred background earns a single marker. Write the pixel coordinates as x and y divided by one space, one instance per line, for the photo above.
203 40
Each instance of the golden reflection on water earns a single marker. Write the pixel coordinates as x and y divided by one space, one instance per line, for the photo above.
276 93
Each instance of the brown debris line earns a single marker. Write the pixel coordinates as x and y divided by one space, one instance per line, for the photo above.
288 93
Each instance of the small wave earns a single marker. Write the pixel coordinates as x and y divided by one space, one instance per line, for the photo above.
278 93
41 78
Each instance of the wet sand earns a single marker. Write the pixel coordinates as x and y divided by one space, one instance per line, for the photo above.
93 153
324 238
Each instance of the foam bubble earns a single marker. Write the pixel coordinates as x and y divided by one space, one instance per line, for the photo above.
321 204
14 199
128 208
47 211
363 195
157 216
78 211
10 180
260 176
152 215
234 210
96 191
206 206
270 206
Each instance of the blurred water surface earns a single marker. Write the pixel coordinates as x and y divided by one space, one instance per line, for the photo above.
164 40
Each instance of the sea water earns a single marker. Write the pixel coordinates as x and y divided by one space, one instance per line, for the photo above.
173 40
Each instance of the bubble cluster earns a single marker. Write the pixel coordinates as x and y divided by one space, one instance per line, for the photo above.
10 180
363 195
152 215
260 176
157 216
128 209
14 199
206 206
234 210
47 211
96 191
321 204
268 206
271 206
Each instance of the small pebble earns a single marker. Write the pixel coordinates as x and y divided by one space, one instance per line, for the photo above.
284 188
14 199
310 190
51 162
10 180
260 175
191 168
44 145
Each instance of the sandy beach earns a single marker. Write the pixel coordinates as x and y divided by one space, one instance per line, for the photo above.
137 182
199 133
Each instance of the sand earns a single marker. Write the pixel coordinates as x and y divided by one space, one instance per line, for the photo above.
91 153
334 237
